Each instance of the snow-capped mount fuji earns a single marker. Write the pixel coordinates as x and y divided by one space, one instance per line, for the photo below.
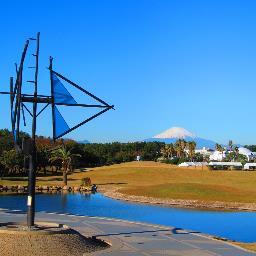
176 133
173 134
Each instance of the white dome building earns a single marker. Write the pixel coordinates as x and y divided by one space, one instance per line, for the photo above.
246 152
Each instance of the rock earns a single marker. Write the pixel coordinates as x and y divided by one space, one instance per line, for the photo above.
66 188
20 188
40 188
13 188
76 188
45 188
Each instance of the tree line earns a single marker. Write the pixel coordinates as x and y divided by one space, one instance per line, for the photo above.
50 157
66 155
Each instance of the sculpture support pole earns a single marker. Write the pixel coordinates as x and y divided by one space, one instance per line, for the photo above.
32 155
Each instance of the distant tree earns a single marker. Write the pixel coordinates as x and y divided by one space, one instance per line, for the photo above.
11 160
178 148
251 147
236 152
218 147
6 140
230 144
191 145
183 145
167 151
171 150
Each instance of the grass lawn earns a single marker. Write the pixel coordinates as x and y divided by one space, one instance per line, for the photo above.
172 182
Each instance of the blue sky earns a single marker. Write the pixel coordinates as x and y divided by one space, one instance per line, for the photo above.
161 63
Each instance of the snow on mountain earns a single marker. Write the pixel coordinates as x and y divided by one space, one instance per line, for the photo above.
173 134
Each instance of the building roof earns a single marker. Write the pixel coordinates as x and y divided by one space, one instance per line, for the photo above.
245 151
249 164
238 164
193 164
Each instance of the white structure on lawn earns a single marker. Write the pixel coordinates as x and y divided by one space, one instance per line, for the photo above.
246 152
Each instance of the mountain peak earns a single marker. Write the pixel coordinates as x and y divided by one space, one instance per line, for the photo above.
175 132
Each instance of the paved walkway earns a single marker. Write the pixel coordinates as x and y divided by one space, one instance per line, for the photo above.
132 239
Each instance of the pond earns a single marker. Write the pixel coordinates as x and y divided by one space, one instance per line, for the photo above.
239 226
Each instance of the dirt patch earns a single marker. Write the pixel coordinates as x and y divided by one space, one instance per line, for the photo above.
66 242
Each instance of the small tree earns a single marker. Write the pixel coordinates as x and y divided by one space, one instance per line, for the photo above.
66 157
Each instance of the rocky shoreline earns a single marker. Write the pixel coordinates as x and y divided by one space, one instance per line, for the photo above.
20 188
192 204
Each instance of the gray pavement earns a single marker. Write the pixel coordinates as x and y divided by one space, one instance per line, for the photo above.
132 239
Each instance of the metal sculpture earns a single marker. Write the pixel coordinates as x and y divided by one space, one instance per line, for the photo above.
60 96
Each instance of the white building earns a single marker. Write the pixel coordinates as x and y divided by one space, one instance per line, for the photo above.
204 151
217 156
246 152
189 164
250 166
223 165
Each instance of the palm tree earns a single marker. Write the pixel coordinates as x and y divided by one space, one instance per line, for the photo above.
163 152
183 145
218 147
171 150
179 147
191 145
167 151
236 152
66 157
230 144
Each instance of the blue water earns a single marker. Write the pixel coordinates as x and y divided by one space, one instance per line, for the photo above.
239 226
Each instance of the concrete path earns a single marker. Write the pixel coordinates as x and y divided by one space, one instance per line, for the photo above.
132 239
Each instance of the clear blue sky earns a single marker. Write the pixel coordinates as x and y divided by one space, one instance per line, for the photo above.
162 63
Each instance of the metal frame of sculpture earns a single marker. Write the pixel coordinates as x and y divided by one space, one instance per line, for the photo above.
59 97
